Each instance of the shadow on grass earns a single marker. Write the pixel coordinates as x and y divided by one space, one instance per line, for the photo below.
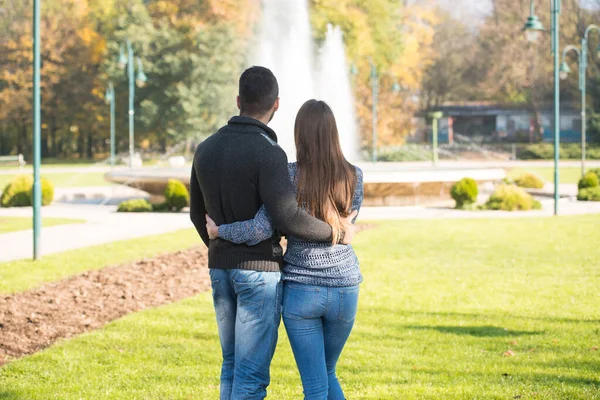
11 396
487 316
477 331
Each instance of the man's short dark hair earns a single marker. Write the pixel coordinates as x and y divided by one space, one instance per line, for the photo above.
258 91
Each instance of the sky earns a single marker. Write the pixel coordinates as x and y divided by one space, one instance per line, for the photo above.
467 8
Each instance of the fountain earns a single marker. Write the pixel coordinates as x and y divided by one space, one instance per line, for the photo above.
301 75
285 45
334 88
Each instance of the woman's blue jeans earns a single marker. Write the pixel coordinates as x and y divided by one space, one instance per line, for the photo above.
318 320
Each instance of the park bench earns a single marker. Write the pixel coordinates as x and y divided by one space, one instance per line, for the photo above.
13 160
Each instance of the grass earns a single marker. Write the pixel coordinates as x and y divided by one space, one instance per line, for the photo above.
13 224
567 174
441 304
16 276
65 179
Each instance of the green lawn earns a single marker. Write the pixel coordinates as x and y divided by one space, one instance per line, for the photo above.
65 179
567 174
441 304
21 275
13 224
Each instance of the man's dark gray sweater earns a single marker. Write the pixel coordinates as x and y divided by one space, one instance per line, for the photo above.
235 172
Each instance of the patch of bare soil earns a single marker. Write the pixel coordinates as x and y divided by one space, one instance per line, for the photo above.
33 320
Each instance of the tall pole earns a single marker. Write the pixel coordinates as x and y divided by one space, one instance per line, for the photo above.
37 193
131 72
555 48
583 89
111 90
435 141
375 87
436 116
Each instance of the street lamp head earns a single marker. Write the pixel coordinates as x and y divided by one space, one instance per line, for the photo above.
141 79
108 97
533 27
564 71
122 58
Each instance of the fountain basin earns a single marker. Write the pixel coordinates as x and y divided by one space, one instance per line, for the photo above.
385 184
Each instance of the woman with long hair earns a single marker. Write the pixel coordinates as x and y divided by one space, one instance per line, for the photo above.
321 280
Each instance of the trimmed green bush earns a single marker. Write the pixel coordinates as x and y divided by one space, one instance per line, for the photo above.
590 180
589 194
595 171
136 205
529 181
465 192
512 198
176 195
47 192
17 192
160 207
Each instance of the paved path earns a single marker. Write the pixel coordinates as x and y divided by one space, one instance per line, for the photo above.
104 225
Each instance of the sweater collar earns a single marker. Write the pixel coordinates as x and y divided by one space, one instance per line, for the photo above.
241 120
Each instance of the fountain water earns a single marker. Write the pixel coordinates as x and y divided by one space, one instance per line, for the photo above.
334 87
285 46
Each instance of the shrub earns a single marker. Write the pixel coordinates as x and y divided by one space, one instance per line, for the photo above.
589 194
176 195
136 205
545 151
512 198
17 192
47 192
464 192
160 207
529 181
590 180
595 171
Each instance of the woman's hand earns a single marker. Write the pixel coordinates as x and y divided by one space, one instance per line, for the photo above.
212 228
349 228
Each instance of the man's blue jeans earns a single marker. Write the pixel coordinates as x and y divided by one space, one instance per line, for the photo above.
248 308
318 320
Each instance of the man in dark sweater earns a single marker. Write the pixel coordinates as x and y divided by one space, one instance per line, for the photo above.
235 172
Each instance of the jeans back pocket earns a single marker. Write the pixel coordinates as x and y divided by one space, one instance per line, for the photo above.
250 299
301 301
348 304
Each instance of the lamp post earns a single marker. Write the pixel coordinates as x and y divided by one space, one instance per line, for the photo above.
565 71
435 116
141 81
110 99
533 27
375 94
396 88
37 193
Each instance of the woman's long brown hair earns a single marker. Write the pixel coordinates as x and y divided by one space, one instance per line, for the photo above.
326 180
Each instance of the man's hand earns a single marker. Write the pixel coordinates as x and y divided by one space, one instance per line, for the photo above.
349 228
212 228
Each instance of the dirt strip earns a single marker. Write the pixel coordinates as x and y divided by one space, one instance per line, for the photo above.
33 320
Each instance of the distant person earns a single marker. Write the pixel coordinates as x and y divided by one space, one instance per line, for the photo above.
320 295
236 171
